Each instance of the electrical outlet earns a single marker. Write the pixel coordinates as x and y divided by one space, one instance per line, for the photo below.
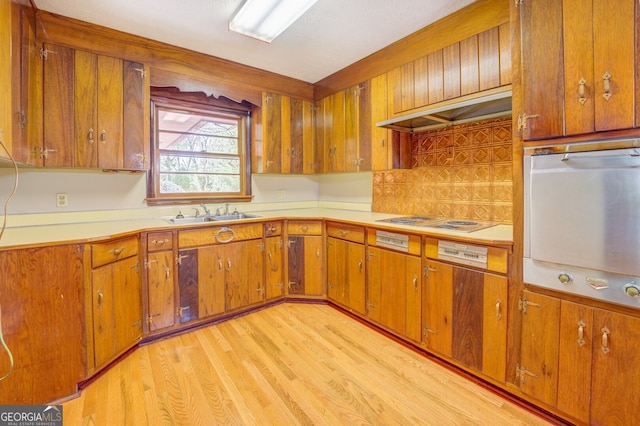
62 200
282 194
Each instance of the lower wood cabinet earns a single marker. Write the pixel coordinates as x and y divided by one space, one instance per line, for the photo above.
305 258
160 276
41 299
220 269
116 282
274 260
579 359
394 291
346 266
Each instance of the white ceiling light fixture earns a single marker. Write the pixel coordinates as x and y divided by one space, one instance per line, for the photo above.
267 19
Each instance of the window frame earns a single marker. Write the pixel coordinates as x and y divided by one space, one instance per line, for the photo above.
197 102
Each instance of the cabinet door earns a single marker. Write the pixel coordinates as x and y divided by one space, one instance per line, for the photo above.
305 265
467 337
104 322
244 275
494 326
160 290
136 150
394 291
58 104
437 307
346 274
274 284
539 347
188 285
43 323
211 280
336 270
615 375
542 68
272 132
574 360
127 295
380 137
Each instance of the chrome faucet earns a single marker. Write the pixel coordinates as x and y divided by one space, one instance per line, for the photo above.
206 210
197 211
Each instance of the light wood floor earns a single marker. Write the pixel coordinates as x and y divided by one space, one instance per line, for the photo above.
287 364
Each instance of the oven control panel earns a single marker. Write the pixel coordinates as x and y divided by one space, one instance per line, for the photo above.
463 254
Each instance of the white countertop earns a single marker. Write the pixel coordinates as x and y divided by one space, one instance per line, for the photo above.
86 231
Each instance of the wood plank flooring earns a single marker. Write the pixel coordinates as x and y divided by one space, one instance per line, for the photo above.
290 364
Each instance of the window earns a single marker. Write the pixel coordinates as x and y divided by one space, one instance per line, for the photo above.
199 150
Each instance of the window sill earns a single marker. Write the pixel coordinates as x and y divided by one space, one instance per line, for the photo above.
197 200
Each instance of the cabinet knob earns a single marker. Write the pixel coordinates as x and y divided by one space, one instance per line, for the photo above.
607 85
581 91
90 135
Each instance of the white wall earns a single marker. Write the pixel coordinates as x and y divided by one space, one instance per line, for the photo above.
97 191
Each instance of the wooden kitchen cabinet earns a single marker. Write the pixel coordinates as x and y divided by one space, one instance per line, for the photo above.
346 266
43 323
218 271
464 311
6 68
116 298
97 102
274 260
160 275
305 258
381 152
578 67
477 63
537 370
394 291
286 142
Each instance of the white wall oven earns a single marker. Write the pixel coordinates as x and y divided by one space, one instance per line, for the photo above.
582 220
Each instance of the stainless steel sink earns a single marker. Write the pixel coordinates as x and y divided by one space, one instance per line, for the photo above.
183 220
233 216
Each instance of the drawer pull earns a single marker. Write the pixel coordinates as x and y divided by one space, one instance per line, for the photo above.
117 252
605 340
223 230
343 232
581 91
165 241
304 228
581 325
607 85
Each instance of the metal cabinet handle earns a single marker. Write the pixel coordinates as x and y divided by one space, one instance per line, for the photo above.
304 228
225 240
117 252
90 135
415 283
581 325
269 257
168 273
498 310
605 340
165 241
228 264
360 263
318 253
581 91
343 232
607 85
100 299
103 136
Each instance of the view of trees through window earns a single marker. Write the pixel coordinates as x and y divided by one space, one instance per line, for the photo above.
198 152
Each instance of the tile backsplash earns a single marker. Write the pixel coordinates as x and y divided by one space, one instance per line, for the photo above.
461 172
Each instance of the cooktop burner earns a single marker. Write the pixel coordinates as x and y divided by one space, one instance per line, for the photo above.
439 222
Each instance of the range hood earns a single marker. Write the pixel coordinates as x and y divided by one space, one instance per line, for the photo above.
449 113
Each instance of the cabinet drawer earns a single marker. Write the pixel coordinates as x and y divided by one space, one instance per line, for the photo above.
497 258
272 229
157 241
111 251
346 232
219 235
304 227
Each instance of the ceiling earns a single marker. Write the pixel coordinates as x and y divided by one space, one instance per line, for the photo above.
330 36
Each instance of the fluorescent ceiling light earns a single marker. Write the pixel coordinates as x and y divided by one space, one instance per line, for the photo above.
267 19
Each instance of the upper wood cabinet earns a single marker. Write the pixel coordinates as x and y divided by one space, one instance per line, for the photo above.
285 132
475 64
579 72
95 101
6 18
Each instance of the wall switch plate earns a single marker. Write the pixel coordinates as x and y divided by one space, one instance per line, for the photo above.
62 200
